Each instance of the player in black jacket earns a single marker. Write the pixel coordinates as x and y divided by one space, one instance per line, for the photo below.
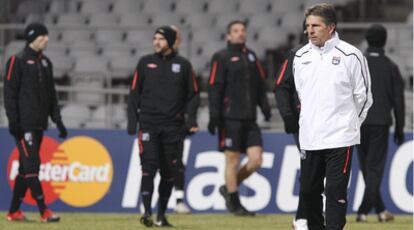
388 94
29 99
236 88
164 100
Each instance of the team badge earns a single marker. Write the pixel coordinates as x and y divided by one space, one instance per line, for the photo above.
44 63
251 57
145 137
228 142
336 60
176 68
28 138
234 59
30 62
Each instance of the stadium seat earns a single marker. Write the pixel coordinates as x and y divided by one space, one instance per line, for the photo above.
222 20
117 50
140 36
56 48
134 20
74 36
196 21
127 6
94 6
108 36
293 21
62 65
157 6
91 65
167 19
263 20
14 47
259 48
210 48
254 7
75 115
272 37
28 6
283 7
122 67
103 19
202 35
222 7
71 19
190 6
82 49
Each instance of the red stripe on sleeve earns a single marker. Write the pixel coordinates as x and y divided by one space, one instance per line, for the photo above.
213 73
24 148
134 81
141 146
279 79
194 82
261 70
10 67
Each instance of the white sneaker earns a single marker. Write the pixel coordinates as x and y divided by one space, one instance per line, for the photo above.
300 224
182 208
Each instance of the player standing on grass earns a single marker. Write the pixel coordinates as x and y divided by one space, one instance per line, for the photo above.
163 100
236 88
30 98
333 84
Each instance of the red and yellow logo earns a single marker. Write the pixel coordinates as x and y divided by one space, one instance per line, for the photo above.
78 171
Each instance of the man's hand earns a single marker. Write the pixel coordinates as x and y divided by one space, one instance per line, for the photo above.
213 125
15 129
399 136
63 133
291 124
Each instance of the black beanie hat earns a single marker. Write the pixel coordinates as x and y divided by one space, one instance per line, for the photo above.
33 30
376 36
169 34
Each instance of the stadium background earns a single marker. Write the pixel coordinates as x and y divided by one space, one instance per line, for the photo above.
95 45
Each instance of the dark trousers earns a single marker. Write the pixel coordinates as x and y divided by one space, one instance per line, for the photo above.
301 211
160 149
334 165
372 153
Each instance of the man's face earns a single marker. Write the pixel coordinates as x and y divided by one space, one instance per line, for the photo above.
40 43
160 44
318 31
237 34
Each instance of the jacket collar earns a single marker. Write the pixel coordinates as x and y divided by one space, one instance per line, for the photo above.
236 47
329 44
374 51
32 52
169 56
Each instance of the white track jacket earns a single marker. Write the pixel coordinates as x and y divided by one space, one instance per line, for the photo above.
334 88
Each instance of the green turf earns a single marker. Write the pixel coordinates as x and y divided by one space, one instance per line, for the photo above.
80 221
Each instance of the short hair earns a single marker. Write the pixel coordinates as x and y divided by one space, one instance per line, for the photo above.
325 11
234 22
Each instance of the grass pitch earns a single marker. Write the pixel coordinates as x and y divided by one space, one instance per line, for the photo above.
100 221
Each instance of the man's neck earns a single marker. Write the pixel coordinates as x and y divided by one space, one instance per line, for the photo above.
34 47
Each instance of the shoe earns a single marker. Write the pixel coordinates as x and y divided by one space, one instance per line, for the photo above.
146 220
162 222
16 216
224 194
242 211
385 216
362 218
49 217
182 208
300 224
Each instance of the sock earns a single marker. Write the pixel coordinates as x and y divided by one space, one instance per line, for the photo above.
37 193
179 195
20 188
164 190
147 188
234 199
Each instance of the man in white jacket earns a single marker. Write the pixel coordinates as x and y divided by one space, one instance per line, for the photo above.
333 85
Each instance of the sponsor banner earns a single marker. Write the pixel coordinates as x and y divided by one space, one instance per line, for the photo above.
99 171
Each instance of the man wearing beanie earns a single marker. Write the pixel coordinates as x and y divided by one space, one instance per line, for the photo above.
388 94
163 99
29 99
236 89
